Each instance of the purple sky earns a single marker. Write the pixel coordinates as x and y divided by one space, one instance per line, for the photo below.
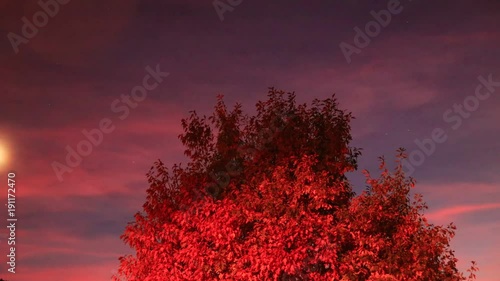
66 78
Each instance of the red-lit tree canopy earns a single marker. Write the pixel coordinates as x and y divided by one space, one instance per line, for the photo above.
265 197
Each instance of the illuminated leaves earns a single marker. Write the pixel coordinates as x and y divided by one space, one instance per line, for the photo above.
265 197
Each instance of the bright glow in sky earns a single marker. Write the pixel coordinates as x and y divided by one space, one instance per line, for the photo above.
4 155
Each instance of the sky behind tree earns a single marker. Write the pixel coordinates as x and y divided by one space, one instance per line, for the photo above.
65 76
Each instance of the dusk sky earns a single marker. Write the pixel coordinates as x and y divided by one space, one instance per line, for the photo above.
433 69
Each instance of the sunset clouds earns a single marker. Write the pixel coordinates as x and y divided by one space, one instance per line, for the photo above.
66 77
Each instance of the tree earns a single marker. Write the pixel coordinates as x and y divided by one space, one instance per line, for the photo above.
265 197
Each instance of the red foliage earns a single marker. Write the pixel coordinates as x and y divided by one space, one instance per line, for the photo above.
266 198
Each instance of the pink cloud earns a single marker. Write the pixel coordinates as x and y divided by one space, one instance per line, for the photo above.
474 240
455 211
